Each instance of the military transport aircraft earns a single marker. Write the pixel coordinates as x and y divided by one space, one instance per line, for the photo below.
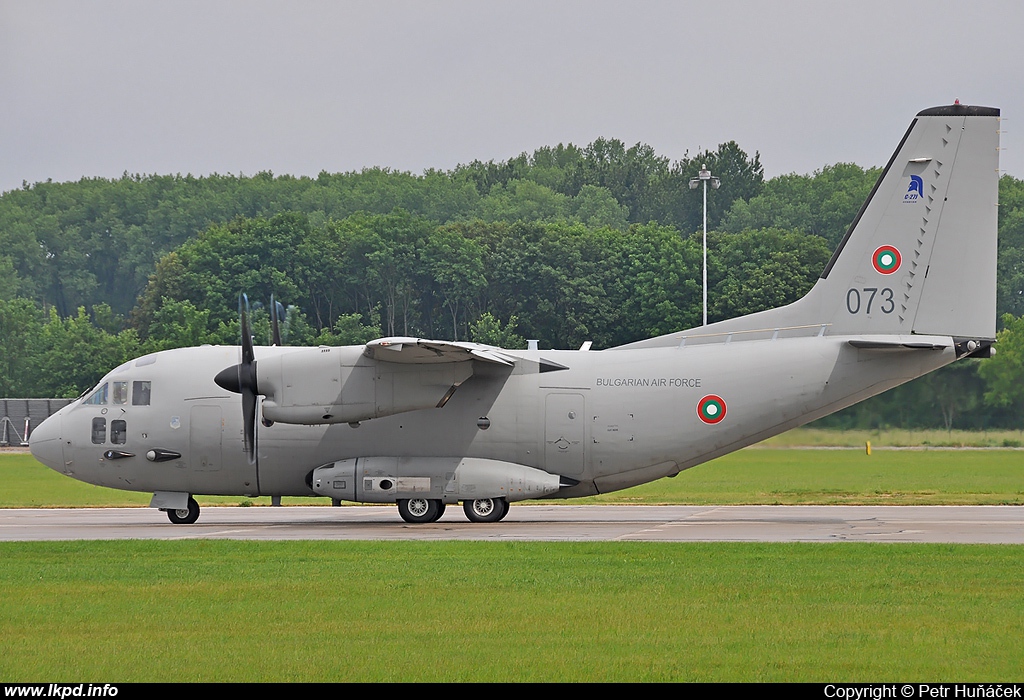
430 423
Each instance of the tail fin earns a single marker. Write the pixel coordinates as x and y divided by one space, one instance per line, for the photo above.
921 255
927 233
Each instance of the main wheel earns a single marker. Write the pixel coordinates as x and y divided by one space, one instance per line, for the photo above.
485 510
419 510
185 516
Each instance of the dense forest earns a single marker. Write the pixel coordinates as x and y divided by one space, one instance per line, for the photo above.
563 245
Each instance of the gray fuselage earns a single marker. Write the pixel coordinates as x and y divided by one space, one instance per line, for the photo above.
610 420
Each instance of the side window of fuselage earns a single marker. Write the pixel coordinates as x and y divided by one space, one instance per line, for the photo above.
99 431
118 432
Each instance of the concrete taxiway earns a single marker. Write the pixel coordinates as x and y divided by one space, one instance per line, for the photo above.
953 524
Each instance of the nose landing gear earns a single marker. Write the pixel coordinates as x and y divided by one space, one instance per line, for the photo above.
184 516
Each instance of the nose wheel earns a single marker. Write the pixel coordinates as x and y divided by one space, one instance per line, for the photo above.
184 516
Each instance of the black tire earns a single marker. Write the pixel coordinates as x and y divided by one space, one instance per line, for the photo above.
485 510
419 510
185 516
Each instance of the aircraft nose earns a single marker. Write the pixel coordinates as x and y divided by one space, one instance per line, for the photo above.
46 445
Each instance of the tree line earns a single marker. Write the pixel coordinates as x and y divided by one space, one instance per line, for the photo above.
563 245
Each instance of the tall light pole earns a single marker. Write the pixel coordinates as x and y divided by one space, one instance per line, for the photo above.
704 176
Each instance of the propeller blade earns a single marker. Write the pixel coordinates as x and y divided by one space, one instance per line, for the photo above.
276 311
243 312
247 380
249 424
241 379
287 325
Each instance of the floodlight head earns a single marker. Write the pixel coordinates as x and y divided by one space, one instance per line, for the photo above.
715 183
694 183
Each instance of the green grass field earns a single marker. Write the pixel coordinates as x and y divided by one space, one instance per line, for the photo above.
454 611
754 475
802 476
816 437
200 610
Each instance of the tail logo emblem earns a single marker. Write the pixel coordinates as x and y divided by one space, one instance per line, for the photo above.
886 259
915 191
711 409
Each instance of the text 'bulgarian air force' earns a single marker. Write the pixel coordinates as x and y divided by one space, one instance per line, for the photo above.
682 382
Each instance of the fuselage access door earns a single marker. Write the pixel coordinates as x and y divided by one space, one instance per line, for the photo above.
565 430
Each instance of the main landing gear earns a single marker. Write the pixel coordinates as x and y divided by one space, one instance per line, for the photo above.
420 510
184 516
486 510
429 510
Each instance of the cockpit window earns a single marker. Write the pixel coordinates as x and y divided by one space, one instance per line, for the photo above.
140 393
99 397
120 393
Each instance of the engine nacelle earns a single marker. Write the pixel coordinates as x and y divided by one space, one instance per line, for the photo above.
313 386
449 479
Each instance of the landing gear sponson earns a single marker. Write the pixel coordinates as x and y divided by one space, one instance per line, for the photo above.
423 487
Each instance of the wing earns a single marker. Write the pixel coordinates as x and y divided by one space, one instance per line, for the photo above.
356 383
420 351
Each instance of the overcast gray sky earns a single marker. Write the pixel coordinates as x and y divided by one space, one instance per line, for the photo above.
102 87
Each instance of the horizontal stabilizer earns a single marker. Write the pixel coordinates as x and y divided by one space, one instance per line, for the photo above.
894 345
